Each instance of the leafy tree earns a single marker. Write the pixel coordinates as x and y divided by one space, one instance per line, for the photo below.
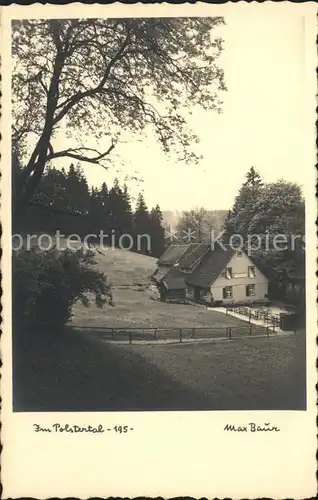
102 76
268 211
192 226
286 273
214 220
280 210
47 285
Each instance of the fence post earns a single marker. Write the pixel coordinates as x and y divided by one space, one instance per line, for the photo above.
180 335
273 323
250 332
267 331
129 337
230 332
156 334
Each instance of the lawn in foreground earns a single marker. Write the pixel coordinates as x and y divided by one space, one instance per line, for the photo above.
242 374
74 372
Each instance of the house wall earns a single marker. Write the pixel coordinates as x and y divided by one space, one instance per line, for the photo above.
206 296
203 294
240 266
175 294
190 292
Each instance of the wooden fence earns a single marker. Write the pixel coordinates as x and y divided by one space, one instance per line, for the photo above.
180 335
273 320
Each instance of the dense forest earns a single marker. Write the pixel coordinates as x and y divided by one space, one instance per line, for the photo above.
64 202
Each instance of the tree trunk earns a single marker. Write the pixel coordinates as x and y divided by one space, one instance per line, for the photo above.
31 175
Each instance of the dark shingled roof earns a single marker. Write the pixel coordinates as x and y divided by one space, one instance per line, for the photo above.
174 279
160 273
189 249
179 257
172 255
193 254
210 267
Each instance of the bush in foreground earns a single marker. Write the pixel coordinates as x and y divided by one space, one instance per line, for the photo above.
46 284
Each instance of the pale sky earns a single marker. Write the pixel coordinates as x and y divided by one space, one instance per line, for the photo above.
262 123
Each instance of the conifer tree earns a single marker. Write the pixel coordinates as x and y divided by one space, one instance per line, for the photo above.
243 210
127 218
253 178
142 226
157 232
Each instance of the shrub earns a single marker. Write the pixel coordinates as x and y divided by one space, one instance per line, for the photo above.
46 284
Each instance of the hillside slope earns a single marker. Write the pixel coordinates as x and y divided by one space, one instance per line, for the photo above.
134 304
124 267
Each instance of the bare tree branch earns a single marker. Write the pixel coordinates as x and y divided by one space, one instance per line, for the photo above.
43 85
75 153
69 103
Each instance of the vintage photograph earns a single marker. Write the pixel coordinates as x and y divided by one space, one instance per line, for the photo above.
158 214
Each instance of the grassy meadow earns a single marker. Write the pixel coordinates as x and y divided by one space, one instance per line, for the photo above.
129 274
77 371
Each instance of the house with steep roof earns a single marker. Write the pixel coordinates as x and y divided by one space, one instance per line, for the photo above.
212 276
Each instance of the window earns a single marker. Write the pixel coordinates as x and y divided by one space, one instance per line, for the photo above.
240 275
250 290
227 273
251 271
228 292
